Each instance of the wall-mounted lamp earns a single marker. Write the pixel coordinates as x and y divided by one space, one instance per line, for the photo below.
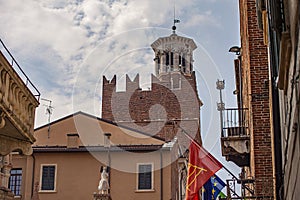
235 92
235 49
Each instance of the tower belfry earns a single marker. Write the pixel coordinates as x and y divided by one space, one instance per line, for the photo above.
173 54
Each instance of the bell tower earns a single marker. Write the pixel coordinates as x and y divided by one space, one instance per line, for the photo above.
173 54
171 105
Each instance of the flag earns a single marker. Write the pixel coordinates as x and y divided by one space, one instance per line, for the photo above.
202 165
222 195
176 21
212 188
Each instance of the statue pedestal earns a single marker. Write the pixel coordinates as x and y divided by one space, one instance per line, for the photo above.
102 196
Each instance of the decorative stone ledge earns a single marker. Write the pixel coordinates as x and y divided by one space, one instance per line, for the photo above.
236 149
101 196
8 145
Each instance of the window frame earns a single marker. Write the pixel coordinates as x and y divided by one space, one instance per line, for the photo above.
20 181
152 178
41 177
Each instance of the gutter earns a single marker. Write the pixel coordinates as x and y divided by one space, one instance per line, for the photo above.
132 148
33 174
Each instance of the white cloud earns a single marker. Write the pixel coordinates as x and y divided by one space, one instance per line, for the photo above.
67 43
202 19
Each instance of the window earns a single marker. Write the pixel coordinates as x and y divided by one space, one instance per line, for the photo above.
167 58
145 177
15 181
48 177
183 60
180 58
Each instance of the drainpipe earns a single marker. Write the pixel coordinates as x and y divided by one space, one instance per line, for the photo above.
277 143
274 65
33 173
161 175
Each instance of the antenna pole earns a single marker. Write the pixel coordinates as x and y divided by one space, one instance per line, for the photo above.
174 13
49 109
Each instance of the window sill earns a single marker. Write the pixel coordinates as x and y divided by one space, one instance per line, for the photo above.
142 191
47 191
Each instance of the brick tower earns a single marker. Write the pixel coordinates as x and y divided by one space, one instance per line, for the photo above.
171 105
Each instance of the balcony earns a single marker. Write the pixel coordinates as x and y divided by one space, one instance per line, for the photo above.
251 188
235 139
18 101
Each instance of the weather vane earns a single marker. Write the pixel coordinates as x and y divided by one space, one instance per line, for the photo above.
175 20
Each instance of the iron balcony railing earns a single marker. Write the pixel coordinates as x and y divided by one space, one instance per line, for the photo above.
18 70
258 189
235 122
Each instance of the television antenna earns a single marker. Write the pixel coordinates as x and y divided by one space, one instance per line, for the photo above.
49 109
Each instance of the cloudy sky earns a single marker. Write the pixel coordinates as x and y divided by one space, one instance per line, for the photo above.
66 46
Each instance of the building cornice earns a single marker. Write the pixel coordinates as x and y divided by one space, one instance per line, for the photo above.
119 148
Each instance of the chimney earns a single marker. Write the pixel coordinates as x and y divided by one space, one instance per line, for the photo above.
72 140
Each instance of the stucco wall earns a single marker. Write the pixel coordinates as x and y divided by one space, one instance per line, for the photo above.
78 174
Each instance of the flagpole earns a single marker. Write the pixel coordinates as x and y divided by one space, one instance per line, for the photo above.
192 140
243 186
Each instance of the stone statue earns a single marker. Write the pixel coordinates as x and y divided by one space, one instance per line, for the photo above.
103 186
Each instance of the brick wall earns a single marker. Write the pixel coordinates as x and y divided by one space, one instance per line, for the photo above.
257 97
171 103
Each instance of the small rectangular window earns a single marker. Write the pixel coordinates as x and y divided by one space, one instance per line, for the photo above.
145 177
48 177
15 181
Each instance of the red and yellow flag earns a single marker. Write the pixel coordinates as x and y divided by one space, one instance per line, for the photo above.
202 165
